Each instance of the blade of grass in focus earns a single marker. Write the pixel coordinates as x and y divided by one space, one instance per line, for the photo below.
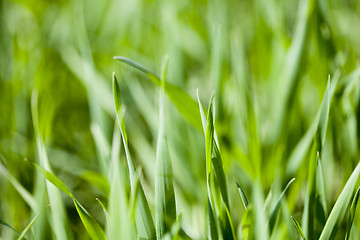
144 221
341 204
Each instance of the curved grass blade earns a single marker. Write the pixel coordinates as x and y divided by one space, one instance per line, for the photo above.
339 209
165 208
352 212
185 104
298 228
274 213
22 236
3 222
243 196
143 218
90 224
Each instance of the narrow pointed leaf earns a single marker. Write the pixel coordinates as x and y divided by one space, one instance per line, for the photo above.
243 196
338 211
143 218
352 213
26 229
274 213
298 228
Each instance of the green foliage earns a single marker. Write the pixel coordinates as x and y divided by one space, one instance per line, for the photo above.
139 157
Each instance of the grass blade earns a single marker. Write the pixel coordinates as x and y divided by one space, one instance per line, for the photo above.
22 236
165 208
352 213
90 224
298 228
144 221
3 222
243 196
185 104
338 211
274 213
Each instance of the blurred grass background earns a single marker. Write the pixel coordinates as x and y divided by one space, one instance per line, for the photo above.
240 49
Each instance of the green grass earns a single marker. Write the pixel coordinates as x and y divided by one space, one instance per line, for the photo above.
221 119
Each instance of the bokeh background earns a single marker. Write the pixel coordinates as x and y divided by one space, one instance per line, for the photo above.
267 60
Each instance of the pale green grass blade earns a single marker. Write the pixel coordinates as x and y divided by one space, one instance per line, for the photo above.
106 213
165 208
274 213
102 147
247 224
90 224
144 221
243 196
184 103
298 228
58 214
261 231
320 186
27 228
352 212
119 225
339 209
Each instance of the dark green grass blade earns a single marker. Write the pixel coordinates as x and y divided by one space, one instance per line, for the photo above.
352 212
144 221
165 208
242 195
90 224
298 228
185 104
338 211
320 186
274 213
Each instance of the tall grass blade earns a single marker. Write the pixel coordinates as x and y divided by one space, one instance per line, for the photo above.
339 209
144 221
165 207
352 212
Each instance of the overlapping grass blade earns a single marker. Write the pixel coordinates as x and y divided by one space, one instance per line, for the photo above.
298 228
58 214
119 224
4 223
339 209
184 103
274 213
352 212
318 126
27 228
90 224
165 208
144 221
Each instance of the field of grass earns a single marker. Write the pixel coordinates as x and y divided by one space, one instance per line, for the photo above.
209 119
